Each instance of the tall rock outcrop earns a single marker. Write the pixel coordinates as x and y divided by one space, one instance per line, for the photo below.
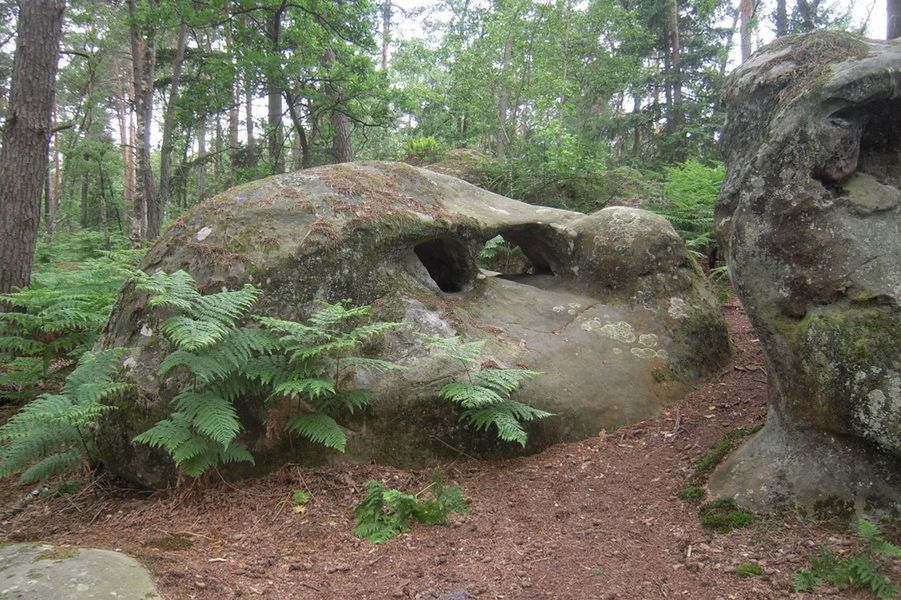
811 216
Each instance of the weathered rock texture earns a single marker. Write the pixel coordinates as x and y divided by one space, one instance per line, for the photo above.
34 571
613 309
810 213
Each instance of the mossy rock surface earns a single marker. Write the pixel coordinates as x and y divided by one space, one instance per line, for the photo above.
811 215
612 309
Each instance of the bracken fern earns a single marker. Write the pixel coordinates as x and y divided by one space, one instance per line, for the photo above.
485 396
308 365
385 513
54 433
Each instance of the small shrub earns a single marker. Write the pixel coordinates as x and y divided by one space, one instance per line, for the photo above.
486 394
722 516
858 571
421 150
385 513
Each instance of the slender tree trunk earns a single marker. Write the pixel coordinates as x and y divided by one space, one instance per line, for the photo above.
124 120
807 12
387 13
273 88
306 159
782 18
168 129
143 52
893 14
504 100
83 212
55 189
746 10
232 110
104 208
201 160
342 145
26 137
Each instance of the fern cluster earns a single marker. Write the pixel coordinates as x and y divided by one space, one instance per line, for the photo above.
385 513
859 571
315 364
691 190
486 394
56 319
305 364
54 433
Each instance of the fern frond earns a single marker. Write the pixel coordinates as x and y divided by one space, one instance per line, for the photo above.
168 434
191 334
177 290
508 428
331 315
235 453
373 365
210 414
225 307
470 395
311 387
55 464
504 381
320 428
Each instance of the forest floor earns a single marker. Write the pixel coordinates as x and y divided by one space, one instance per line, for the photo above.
596 519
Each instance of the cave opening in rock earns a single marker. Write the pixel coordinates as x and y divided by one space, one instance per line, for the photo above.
447 262
880 139
518 254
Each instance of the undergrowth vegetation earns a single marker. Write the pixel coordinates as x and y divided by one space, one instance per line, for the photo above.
385 513
50 324
859 571
55 433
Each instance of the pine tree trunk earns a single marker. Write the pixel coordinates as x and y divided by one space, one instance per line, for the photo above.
893 14
169 127
124 121
201 160
26 137
745 9
782 18
143 52
276 128
387 13
504 100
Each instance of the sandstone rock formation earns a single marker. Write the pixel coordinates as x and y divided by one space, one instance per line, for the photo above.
612 309
811 213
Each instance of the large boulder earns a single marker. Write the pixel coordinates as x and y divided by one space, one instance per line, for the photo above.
810 213
611 308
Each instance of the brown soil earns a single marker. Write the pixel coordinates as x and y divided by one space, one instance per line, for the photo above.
596 519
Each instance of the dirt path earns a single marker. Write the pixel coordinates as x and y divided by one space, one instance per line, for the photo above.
597 519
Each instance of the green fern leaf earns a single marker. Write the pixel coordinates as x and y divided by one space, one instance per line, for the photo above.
235 453
320 428
469 395
210 414
508 428
504 381
193 334
50 466
311 387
